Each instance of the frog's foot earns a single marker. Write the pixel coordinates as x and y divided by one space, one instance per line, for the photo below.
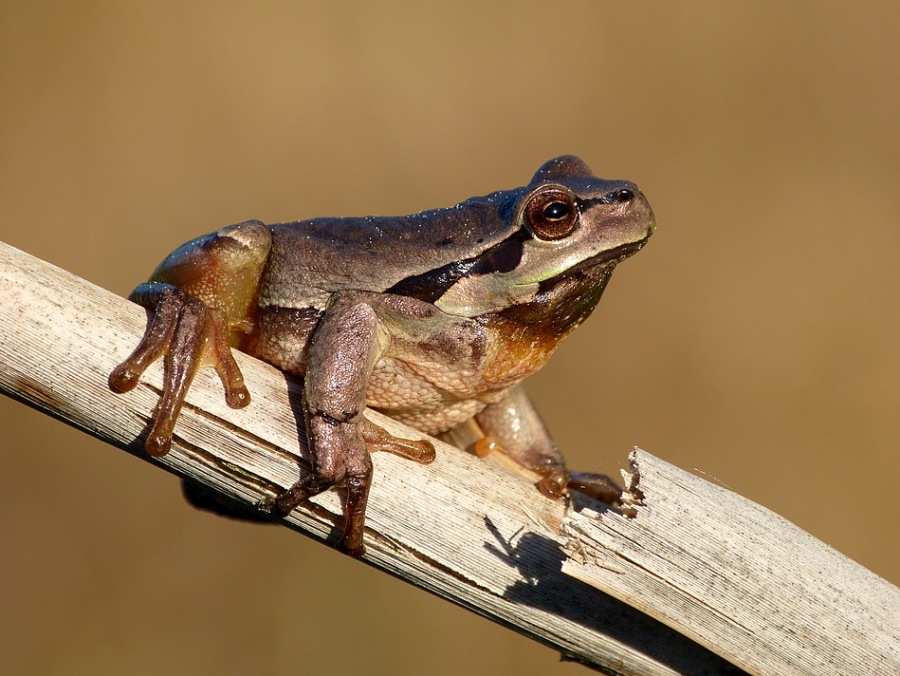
347 467
189 335
513 428
597 486
356 489
285 502
339 460
557 481
379 439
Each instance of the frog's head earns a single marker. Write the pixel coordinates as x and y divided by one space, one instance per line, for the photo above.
569 230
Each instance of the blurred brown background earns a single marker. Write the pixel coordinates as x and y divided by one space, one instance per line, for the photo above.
754 340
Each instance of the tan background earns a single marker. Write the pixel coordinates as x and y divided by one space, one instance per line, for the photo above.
755 339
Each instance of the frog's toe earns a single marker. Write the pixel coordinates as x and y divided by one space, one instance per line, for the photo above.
379 439
123 378
354 549
554 485
237 398
158 443
356 488
598 486
285 502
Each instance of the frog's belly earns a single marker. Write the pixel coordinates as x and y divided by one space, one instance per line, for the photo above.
430 397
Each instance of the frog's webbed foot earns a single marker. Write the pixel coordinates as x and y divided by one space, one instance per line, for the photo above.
188 334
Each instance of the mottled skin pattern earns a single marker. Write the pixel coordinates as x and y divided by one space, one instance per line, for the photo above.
432 318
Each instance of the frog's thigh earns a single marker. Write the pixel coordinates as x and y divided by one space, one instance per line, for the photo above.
515 425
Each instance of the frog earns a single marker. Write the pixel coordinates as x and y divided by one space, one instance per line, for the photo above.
433 319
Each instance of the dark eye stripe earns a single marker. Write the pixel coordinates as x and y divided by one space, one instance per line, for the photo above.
618 195
430 286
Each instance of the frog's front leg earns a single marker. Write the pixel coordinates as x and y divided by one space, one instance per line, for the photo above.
514 427
345 346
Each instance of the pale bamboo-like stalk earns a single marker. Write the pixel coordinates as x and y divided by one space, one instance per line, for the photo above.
700 585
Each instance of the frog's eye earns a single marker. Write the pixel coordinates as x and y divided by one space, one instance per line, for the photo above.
551 214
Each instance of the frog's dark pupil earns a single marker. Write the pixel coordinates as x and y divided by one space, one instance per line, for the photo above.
556 210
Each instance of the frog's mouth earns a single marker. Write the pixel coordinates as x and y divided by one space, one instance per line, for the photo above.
611 257
602 261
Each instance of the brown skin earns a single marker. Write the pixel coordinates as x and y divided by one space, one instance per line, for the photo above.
433 318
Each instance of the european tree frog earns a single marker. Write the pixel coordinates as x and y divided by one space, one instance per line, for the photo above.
431 318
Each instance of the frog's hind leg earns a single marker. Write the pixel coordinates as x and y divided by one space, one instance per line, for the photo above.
202 293
188 335
514 428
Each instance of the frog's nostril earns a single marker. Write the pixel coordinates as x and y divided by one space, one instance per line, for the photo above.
623 195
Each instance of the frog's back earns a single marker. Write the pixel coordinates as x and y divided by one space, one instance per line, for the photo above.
312 259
